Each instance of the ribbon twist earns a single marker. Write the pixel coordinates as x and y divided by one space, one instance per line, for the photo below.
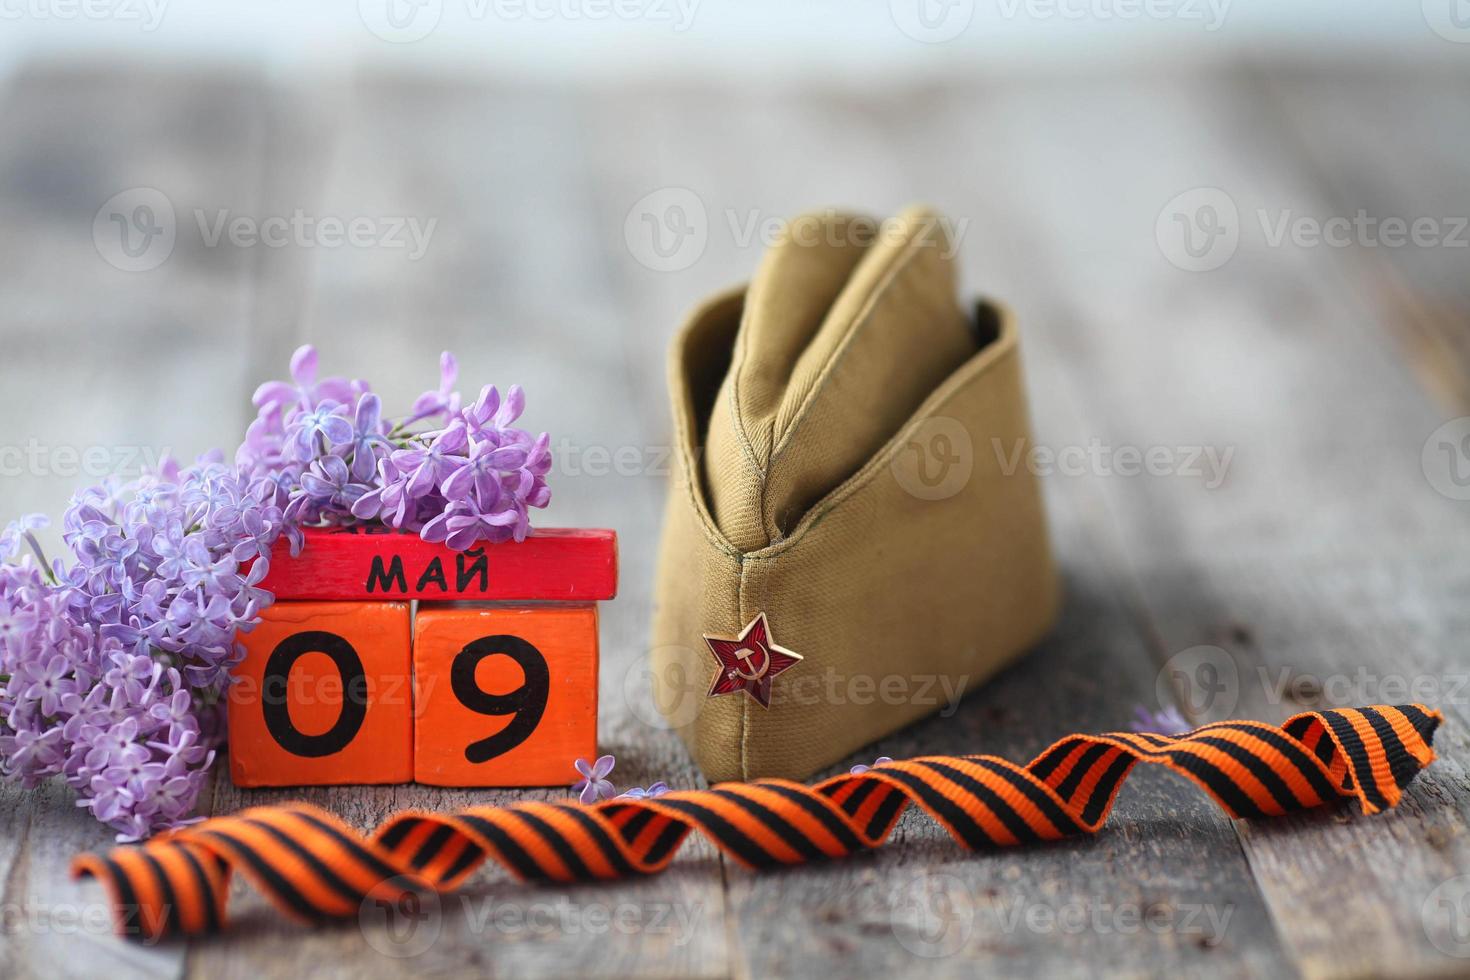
314 867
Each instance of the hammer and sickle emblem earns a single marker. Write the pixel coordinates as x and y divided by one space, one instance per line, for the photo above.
747 657
750 661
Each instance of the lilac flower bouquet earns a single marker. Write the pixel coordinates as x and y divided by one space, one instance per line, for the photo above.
113 668
454 474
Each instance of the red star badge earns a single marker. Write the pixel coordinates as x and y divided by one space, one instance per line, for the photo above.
749 661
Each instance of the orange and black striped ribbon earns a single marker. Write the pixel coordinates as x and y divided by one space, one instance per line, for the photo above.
314 867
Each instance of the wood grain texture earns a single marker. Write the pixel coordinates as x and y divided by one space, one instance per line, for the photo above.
1322 565
1285 567
1336 120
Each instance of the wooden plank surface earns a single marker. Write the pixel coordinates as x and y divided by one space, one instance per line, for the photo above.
1325 491
1336 122
1322 565
89 351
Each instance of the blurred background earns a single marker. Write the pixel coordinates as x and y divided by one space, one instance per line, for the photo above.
865 41
178 179
1234 232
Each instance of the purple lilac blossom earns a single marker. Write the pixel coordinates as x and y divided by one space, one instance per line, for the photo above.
448 472
113 669
108 666
594 784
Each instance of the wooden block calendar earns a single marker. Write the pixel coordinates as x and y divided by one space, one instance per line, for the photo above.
376 562
345 681
324 696
534 665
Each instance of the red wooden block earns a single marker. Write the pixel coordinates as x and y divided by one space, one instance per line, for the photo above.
504 695
374 562
324 696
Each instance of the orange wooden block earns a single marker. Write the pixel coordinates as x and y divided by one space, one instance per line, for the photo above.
505 695
324 696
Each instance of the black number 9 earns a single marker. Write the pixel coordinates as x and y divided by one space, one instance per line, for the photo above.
526 703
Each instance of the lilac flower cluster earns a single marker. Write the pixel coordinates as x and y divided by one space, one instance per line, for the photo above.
112 669
448 472
170 564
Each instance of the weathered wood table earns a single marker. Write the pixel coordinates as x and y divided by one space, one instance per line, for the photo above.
1328 563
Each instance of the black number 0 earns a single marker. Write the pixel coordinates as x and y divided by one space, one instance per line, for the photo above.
526 703
354 694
